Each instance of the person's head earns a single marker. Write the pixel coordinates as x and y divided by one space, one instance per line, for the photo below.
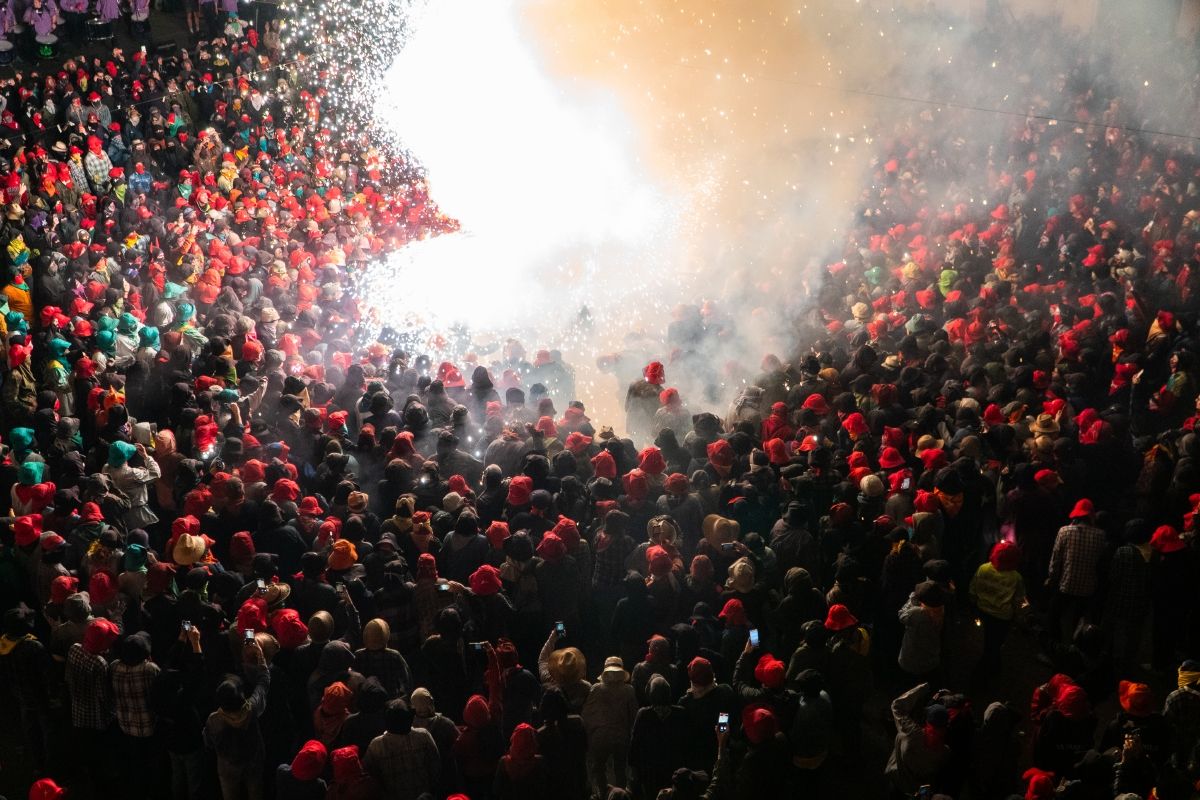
134 649
231 694
658 692
810 683
422 703
554 706
399 718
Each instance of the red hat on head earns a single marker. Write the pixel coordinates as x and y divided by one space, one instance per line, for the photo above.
551 548
817 404
485 581
655 373
733 612
496 533
926 502
934 458
288 628
1039 784
992 415
567 530
241 547
63 587
1047 478
1166 540
1136 698
46 789
659 560
309 763
1082 509
770 671
603 465
677 484
51 541
651 461
668 396
285 490
519 489
777 452
759 723
310 506
1005 556
27 529
700 671
252 616
839 618
91 513
855 424
720 453
99 636
577 442
254 471
890 458
1072 702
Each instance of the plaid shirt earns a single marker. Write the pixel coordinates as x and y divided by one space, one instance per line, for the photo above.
608 568
97 166
1077 552
406 764
131 697
87 680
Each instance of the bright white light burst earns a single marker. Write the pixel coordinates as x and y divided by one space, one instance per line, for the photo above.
556 210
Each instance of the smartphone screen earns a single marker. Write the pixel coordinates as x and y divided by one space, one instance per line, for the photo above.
560 628
906 484
754 637
443 587
723 722
187 626
727 546
249 635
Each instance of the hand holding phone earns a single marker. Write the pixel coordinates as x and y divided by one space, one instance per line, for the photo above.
754 637
560 629
723 722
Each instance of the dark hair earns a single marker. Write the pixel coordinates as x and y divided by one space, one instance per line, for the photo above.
398 717
230 694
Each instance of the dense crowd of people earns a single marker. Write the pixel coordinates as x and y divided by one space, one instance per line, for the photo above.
249 556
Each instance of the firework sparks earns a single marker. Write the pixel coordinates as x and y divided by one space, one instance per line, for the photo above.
554 206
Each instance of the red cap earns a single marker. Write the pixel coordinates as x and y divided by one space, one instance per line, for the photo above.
1082 509
770 671
309 763
1136 698
1166 540
890 458
519 490
816 403
839 618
